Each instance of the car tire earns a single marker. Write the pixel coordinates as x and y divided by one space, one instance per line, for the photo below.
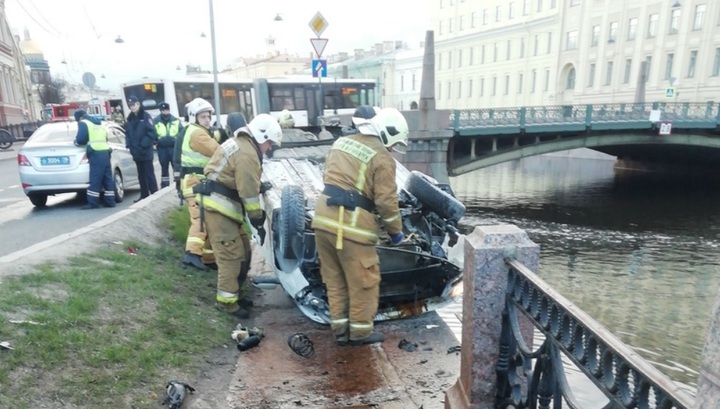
38 199
119 186
432 196
292 221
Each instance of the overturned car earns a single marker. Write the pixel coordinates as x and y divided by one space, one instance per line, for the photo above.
421 274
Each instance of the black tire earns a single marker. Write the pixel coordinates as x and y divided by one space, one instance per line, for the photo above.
38 199
119 186
432 196
6 139
292 221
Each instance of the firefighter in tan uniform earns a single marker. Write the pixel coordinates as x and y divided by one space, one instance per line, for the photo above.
359 178
231 189
198 145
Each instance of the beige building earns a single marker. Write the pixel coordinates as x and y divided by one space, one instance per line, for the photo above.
495 53
15 96
270 65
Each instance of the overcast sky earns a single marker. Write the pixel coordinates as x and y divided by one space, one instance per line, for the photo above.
162 34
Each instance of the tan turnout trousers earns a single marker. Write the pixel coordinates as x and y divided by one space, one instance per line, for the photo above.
231 244
352 279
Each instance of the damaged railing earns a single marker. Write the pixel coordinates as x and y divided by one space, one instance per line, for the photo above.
627 380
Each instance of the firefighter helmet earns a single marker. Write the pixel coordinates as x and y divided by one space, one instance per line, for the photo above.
265 128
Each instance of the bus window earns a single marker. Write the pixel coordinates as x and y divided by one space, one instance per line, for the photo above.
149 94
299 99
281 97
246 106
229 101
186 92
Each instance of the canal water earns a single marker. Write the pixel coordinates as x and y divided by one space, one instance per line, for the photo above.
635 250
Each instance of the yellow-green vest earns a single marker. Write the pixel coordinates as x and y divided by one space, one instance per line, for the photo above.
171 130
190 158
97 136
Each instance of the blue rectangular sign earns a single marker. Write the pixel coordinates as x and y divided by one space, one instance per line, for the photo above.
319 68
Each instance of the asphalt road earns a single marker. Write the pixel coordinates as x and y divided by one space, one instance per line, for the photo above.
23 224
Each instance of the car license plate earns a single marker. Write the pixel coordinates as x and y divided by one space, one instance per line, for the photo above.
54 160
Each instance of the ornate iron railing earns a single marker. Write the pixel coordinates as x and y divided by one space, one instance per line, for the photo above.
627 380
556 118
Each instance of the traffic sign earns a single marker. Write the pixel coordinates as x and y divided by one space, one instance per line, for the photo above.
319 68
319 45
665 128
318 24
88 79
670 92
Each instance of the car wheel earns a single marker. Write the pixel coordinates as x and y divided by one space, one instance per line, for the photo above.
292 221
38 199
432 196
119 186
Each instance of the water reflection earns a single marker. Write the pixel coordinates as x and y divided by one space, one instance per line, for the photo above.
634 250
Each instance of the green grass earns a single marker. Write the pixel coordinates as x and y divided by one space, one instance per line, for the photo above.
109 329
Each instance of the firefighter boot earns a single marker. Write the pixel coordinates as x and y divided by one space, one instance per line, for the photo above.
373 338
190 259
233 309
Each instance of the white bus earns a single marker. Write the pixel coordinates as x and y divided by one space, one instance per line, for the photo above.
298 94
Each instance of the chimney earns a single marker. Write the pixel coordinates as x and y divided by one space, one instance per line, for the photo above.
388 46
378 48
359 53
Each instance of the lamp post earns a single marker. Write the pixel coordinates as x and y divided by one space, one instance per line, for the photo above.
216 86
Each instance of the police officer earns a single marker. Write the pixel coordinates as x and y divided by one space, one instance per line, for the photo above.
92 134
198 145
168 128
359 178
141 137
231 189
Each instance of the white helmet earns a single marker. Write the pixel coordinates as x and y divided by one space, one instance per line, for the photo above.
391 126
363 114
265 128
197 106
286 119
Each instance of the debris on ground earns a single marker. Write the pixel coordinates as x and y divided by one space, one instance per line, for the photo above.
6 345
176 393
407 345
301 344
454 349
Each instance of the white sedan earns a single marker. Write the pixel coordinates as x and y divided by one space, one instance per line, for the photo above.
49 163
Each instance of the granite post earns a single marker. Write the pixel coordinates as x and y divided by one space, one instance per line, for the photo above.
708 392
485 281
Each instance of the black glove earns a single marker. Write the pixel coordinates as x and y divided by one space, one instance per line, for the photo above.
261 234
265 186
259 225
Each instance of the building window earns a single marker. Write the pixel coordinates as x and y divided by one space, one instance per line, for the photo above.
537 42
449 59
495 52
450 25
439 60
608 74
485 16
699 14
413 82
716 64
533 80
693 61
595 36
520 83
439 90
612 35
632 28
574 3
508 50
507 85
591 75
628 67
553 4
674 21
482 54
497 13
449 90
648 61
482 87
473 19
494 86
669 65
571 40
402 83
472 56
546 87
570 83
526 7
470 85
511 10
522 47
549 43
459 58
459 93
652 26
539 6
440 27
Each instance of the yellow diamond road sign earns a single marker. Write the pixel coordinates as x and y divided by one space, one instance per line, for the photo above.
318 24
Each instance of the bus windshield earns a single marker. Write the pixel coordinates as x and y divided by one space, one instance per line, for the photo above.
150 95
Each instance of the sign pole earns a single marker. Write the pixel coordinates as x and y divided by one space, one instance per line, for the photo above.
318 24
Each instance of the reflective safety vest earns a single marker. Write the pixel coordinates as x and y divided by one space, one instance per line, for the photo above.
97 136
190 158
171 130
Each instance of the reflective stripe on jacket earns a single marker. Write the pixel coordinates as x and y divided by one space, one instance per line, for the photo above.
360 162
236 165
97 137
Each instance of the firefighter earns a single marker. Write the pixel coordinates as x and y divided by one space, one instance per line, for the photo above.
230 190
198 145
359 178
286 119
92 134
168 128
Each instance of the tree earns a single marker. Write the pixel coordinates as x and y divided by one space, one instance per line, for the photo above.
51 92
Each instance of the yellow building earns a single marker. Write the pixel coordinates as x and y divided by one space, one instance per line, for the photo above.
553 52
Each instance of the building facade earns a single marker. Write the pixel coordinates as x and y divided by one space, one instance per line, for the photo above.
15 96
494 53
